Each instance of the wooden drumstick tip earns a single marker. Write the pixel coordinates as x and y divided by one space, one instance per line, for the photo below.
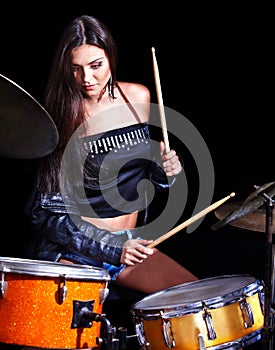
232 194
153 49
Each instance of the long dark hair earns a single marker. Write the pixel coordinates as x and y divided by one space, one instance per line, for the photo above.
63 98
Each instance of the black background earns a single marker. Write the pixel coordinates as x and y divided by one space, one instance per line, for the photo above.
216 64
215 69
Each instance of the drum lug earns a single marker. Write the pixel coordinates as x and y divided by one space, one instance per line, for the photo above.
246 313
103 293
140 333
167 332
4 286
261 300
201 342
62 291
209 325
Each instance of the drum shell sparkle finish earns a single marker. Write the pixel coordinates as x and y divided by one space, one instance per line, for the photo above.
31 311
177 313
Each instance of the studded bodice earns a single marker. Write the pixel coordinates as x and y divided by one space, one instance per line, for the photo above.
116 163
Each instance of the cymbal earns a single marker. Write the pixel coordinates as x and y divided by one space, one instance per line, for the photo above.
26 129
254 221
253 202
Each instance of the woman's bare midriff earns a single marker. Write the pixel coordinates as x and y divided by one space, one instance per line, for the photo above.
123 222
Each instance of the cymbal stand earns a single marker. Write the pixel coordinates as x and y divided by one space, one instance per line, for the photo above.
269 300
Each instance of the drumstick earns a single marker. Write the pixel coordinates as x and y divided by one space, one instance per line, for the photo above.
190 221
160 102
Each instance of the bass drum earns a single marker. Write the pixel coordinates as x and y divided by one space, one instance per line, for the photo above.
51 305
216 313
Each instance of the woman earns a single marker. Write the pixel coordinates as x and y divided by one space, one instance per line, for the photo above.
87 207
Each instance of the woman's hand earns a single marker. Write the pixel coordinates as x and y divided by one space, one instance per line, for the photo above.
171 163
135 251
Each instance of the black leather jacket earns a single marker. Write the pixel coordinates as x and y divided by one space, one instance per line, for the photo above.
58 228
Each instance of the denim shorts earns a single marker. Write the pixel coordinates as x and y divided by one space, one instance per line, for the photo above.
77 258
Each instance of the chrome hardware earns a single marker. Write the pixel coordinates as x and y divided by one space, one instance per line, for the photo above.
209 325
103 293
167 332
201 342
4 286
248 319
62 290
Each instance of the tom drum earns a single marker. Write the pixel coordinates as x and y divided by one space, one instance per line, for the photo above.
50 305
216 313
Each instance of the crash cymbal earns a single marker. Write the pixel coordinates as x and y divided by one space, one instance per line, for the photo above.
268 188
26 130
254 221
254 201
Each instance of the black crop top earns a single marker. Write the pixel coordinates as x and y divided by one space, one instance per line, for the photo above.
116 163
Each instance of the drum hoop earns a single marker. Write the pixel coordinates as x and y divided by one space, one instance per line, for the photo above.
247 340
53 269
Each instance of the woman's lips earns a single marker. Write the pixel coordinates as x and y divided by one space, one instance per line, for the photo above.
89 87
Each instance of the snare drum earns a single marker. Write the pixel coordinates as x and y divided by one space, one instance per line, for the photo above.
216 313
50 305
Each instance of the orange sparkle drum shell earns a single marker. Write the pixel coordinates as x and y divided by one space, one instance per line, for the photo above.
37 298
175 318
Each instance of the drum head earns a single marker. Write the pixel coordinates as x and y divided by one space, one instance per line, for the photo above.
53 269
209 290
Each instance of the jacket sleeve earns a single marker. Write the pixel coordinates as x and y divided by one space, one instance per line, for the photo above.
57 227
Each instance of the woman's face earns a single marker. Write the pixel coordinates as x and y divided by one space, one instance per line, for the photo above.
91 69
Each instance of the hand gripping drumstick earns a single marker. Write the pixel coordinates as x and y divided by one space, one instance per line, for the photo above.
160 103
190 221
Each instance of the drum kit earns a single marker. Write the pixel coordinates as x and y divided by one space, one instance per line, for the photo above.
52 305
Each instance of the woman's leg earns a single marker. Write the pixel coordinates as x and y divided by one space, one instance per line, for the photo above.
156 273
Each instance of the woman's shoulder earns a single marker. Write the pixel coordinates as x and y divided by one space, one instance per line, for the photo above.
135 92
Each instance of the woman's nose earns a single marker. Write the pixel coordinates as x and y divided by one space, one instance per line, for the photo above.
87 77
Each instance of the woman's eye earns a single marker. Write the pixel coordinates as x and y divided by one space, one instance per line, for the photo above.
95 66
